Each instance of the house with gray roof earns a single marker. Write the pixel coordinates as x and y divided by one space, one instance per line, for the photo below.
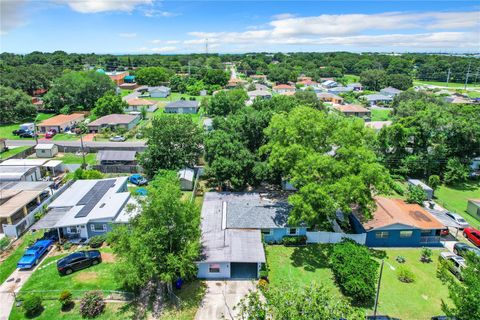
338 90
376 98
159 92
88 208
116 157
232 228
390 91
182 106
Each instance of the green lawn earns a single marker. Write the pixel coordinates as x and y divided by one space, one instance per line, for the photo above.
190 295
418 300
454 198
65 136
473 94
301 266
6 129
380 115
12 151
195 117
351 78
10 264
125 92
177 96
71 158
444 84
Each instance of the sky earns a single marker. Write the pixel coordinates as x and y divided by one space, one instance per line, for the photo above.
169 27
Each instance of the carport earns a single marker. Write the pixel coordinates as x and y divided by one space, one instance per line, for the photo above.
446 221
243 270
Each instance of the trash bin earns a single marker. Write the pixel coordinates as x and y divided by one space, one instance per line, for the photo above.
179 283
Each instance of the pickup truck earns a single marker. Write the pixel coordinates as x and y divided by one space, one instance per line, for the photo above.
33 254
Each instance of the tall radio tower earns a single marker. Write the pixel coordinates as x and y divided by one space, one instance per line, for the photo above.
206 46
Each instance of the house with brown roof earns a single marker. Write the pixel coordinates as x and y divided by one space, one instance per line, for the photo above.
60 122
330 97
353 110
114 121
283 88
396 223
117 76
136 104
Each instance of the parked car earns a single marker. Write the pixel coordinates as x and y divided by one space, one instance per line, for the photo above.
455 263
137 179
473 235
442 318
50 133
78 260
381 318
444 232
117 139
458 219
462 249
27 134
33 254
18 131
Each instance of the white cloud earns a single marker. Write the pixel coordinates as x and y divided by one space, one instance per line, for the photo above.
151 13
422 30
283 16
94 6
127 35
11 15
158 41
158 50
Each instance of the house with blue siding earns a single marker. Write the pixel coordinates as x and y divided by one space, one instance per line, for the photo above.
396 223
89 208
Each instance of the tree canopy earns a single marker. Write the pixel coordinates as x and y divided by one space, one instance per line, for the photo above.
226 102
152 76
110 103
173 142
15 106
329 159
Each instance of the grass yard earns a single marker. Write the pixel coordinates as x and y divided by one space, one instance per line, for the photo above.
177 96
65 136
454 198
380 115
52 310
191 295
473 94
125 92
444 84
6 129
71 158
418 300
351 78
12 151
9 265
300 266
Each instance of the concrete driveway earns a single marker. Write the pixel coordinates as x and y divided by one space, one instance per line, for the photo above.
220 298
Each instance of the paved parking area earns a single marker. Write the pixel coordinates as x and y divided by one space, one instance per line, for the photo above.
220 298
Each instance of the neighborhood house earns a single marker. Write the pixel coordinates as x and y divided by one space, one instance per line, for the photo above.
137 104
353 110
283 88
182 106
330 97
60 122
114 121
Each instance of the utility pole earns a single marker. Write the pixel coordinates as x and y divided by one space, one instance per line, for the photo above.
35 135
448 76
468 74
378 291
188 67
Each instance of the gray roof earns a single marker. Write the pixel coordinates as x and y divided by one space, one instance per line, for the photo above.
183 104
391 90
420 184
221 244
186 174
341 89
116 155
376 97
253 211
161 88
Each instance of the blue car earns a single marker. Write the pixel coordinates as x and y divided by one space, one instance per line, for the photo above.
33 254
137 179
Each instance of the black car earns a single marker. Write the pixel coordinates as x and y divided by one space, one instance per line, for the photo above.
78 260
381 318
27 134
18 132
461 249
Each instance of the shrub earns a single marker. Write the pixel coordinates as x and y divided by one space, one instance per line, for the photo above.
32 304
400 259
415 194
355 271
92 304
67 246
263 284
65 299
294 240
434 181
405 275
426 255
4 242
397 188
96 241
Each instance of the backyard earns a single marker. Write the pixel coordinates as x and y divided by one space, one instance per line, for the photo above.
454 198
301 266
380 114
6 129
12 151
444 84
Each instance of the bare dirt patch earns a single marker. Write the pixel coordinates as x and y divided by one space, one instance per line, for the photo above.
87 276
108 257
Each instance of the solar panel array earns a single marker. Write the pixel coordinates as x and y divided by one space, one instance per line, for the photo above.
93 196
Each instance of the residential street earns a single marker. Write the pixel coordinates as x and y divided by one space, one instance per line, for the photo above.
60 143
221 297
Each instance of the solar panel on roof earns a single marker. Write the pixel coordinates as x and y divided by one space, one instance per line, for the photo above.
93 196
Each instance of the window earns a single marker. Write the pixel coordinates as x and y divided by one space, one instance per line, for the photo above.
292 231
425 233
73 230
266 232
406 234
381 235
98 227
214 268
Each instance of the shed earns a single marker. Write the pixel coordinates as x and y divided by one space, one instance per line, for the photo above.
473 207
187 178
113 157
46 150
428 191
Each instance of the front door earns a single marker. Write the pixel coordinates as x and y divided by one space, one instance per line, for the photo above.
83 232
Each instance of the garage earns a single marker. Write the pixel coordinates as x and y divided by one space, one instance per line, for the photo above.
243 270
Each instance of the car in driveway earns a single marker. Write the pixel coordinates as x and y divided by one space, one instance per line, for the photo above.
28 134
462 249
455 263
473 235
137 179
33 254
50 133
117 139
78 260
458 219
18 132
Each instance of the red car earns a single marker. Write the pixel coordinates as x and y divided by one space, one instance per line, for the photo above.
473 235
50 133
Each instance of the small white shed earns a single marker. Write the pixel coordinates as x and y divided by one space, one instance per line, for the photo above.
187 179
46 150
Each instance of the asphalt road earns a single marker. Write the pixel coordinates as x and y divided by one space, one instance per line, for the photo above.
103 144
